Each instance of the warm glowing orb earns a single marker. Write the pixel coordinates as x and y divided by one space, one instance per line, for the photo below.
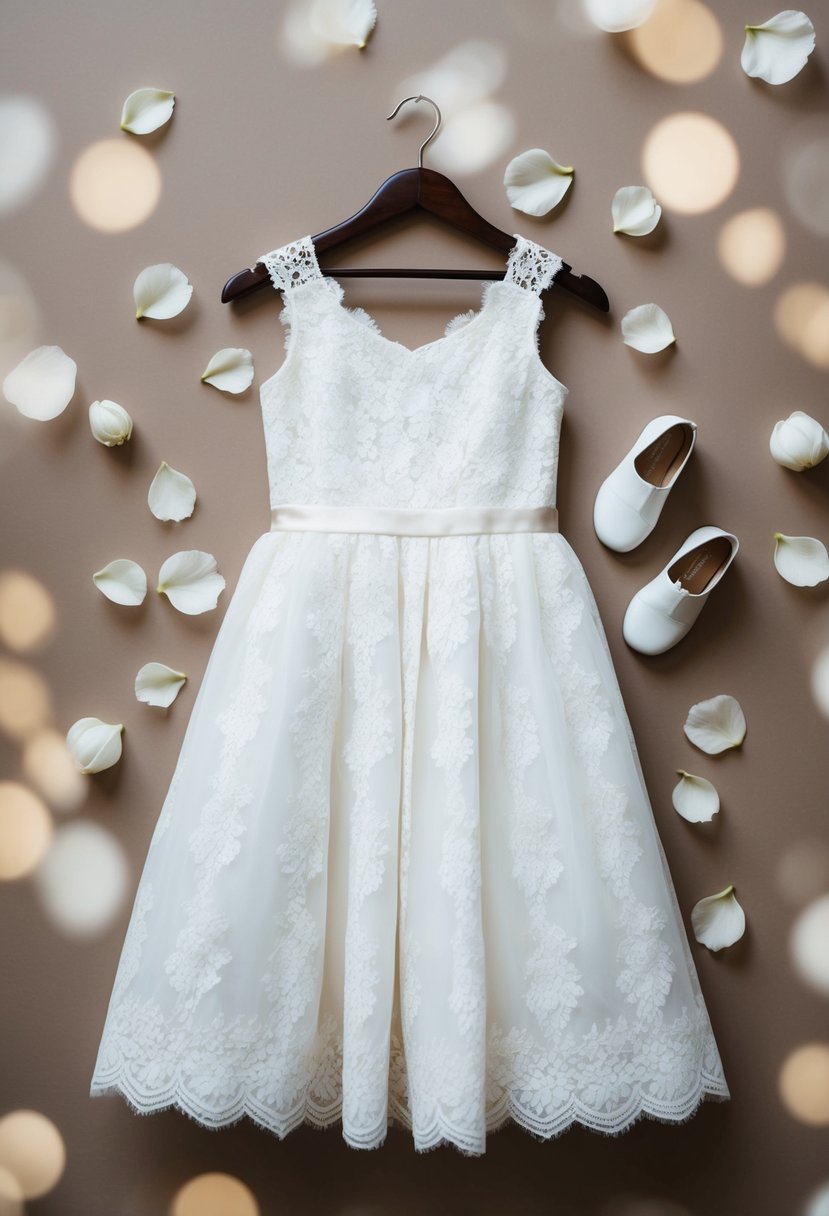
115 185
691 162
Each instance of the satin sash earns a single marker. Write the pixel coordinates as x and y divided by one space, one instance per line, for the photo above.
414 521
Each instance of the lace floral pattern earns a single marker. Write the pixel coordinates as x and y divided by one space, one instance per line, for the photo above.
531 266
291 265
194 965
406 870
457 612
387 428
646 963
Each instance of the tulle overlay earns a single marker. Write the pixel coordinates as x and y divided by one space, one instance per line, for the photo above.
406 869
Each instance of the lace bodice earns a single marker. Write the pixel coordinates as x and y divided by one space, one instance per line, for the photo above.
470 419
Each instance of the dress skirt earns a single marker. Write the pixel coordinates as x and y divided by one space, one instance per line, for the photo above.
406 870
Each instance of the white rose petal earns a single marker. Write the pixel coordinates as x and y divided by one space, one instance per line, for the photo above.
718 920
191 581
146 110
172 494
42 384
157 684
161 291
535 182
230 369
94 745
122 581
801 560
634 210
694 798
647 328
716 725
617 15
342 22
778 49
110 423
799 442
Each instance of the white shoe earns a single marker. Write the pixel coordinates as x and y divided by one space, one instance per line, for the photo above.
631 498
662 612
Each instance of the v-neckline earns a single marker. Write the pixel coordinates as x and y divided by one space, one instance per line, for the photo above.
374 329
412 351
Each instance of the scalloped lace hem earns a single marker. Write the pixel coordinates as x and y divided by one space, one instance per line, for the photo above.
440 1131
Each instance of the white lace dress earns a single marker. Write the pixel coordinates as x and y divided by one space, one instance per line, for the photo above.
406 869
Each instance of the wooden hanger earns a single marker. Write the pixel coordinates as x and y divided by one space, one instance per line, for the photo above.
410 190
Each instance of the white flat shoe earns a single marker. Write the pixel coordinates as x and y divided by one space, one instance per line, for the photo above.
662 612
631 498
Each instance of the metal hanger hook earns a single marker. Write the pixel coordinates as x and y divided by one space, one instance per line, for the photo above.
420 97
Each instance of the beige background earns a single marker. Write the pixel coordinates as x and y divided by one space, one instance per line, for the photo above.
262 150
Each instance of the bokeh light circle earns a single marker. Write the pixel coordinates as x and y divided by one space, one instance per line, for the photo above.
819 680
614 16
806 179
809 944
25 700
804 1083
115 184
25 830
751 245
11 1194
690 161
817 1203
51 768
83 879
32 1150
20 320
27 611
801 317
28 142
214 1194
802 871
680 42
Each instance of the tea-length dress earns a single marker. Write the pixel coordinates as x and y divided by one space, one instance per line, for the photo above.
407 870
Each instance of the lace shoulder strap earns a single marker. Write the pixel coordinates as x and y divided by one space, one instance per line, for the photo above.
293 264
531 265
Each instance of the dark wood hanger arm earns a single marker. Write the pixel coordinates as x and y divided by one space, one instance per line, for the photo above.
406 191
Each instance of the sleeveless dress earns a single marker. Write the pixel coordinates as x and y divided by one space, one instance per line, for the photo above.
407 870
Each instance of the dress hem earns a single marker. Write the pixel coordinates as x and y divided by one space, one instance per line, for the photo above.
439 1133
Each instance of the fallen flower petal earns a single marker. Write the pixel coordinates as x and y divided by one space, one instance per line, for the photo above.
191 581
634 210
146 110
535 183
718 920
230 369
161 291
716 725
778 49
122 581
157 684
801 560
694 798
647 328
172 494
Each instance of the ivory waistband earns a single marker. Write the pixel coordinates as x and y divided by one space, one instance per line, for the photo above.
413 521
